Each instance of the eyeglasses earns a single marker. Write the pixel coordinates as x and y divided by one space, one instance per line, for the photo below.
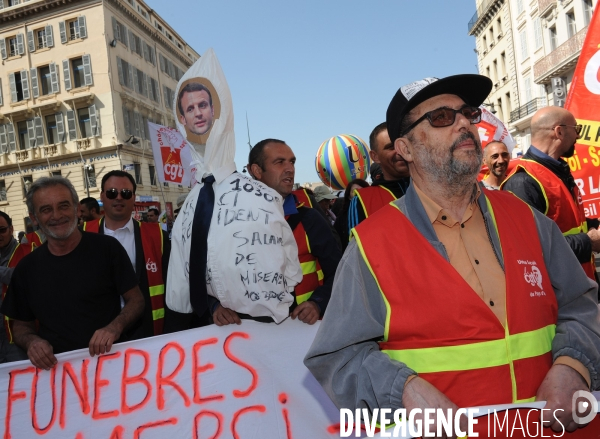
578 127
3 230
444 117
111 194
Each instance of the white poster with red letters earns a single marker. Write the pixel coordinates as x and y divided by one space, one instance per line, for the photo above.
236 381
172 155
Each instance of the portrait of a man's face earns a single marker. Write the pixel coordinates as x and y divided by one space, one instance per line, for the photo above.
196 108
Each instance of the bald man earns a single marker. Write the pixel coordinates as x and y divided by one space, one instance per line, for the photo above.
543 180
496 157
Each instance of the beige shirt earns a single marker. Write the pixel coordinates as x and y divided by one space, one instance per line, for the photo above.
472 256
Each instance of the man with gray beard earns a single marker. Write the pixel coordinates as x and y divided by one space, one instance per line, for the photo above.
455 296
71 285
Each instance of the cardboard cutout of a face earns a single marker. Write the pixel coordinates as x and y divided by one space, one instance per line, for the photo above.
198 106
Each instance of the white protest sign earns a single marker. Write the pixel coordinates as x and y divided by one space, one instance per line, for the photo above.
213 382
491 128
172 155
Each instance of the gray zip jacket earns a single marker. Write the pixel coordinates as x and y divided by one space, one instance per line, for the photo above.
345 357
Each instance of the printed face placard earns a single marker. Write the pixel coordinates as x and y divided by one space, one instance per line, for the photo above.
198 106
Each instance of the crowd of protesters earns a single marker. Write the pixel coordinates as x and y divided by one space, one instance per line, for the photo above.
88 279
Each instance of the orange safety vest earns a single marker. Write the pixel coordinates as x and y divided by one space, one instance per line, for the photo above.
302 197
152 244
439 327
561 206
19 252
312 274
373 198
34 239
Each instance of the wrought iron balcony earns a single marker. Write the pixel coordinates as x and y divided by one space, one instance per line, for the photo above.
481 11
529 108
562 58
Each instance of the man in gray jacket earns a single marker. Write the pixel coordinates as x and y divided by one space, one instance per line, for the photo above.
432 124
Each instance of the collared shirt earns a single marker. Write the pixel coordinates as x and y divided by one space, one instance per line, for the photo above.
485 182
126 236
470 251
543 155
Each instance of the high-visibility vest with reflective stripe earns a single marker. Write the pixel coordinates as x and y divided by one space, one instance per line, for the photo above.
312 275
438 326
302 197
34 239
561 205
373 198
152 244
19 252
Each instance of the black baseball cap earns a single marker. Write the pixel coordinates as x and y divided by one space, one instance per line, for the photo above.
473 89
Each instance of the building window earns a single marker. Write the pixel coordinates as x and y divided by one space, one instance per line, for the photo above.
11 44
3 196
528 96
137 44
85 127
137 170
492 39
499 26
503 65
45 80
553 38
519 6
571 26
73 26
78 74
484 43
537 32
89 176
23 135
523 40
56 173
51 129
496 77
508 104
40 38
152 175
125 73
587 11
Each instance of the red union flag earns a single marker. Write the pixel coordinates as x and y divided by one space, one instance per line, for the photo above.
171 155
582 101
491 129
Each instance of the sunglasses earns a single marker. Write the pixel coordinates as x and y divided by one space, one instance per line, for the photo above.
3 230
444 117
578 128
111 194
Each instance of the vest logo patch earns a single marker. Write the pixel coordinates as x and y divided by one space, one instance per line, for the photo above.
533 276
151 266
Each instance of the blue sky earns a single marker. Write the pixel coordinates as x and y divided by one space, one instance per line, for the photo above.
307 70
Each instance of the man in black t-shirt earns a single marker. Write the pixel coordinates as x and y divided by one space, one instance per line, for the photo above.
71 285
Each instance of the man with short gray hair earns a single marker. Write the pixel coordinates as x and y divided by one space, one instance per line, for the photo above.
46 286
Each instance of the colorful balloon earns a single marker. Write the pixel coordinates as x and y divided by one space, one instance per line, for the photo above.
341 159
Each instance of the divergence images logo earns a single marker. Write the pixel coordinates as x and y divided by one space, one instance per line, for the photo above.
582 402
534 277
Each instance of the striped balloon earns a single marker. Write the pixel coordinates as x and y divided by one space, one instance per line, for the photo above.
341 159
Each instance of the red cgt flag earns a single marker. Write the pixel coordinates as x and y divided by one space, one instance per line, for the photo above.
582 101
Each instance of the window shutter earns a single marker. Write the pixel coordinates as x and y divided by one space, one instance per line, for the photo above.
145 51
60 127
132 45
136 84
94 120
3 48
161 59
149 87
20 44
30 41
120 69
152 55
3 140
39 131
25 84
116 34
67 74
87 69
146 130
30 134
53 77
82 27
34 82
1 99
13 87
126 121
71 125
166 95
131 80
171 68
10 131
63 32
1 4
49 36
136 124
124 36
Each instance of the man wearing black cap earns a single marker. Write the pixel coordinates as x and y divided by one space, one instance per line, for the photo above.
481 303
392 186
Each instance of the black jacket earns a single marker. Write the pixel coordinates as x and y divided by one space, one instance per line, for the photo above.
527 189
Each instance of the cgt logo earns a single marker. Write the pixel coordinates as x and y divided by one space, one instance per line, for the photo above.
581 403
590 76
151 266
174 171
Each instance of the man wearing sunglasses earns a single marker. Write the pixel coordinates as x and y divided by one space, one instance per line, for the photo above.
437 284
543 180
146 244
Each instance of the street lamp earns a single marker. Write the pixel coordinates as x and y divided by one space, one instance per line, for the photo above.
491 106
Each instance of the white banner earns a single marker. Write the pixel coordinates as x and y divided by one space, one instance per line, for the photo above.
172 155
491 128
214 382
